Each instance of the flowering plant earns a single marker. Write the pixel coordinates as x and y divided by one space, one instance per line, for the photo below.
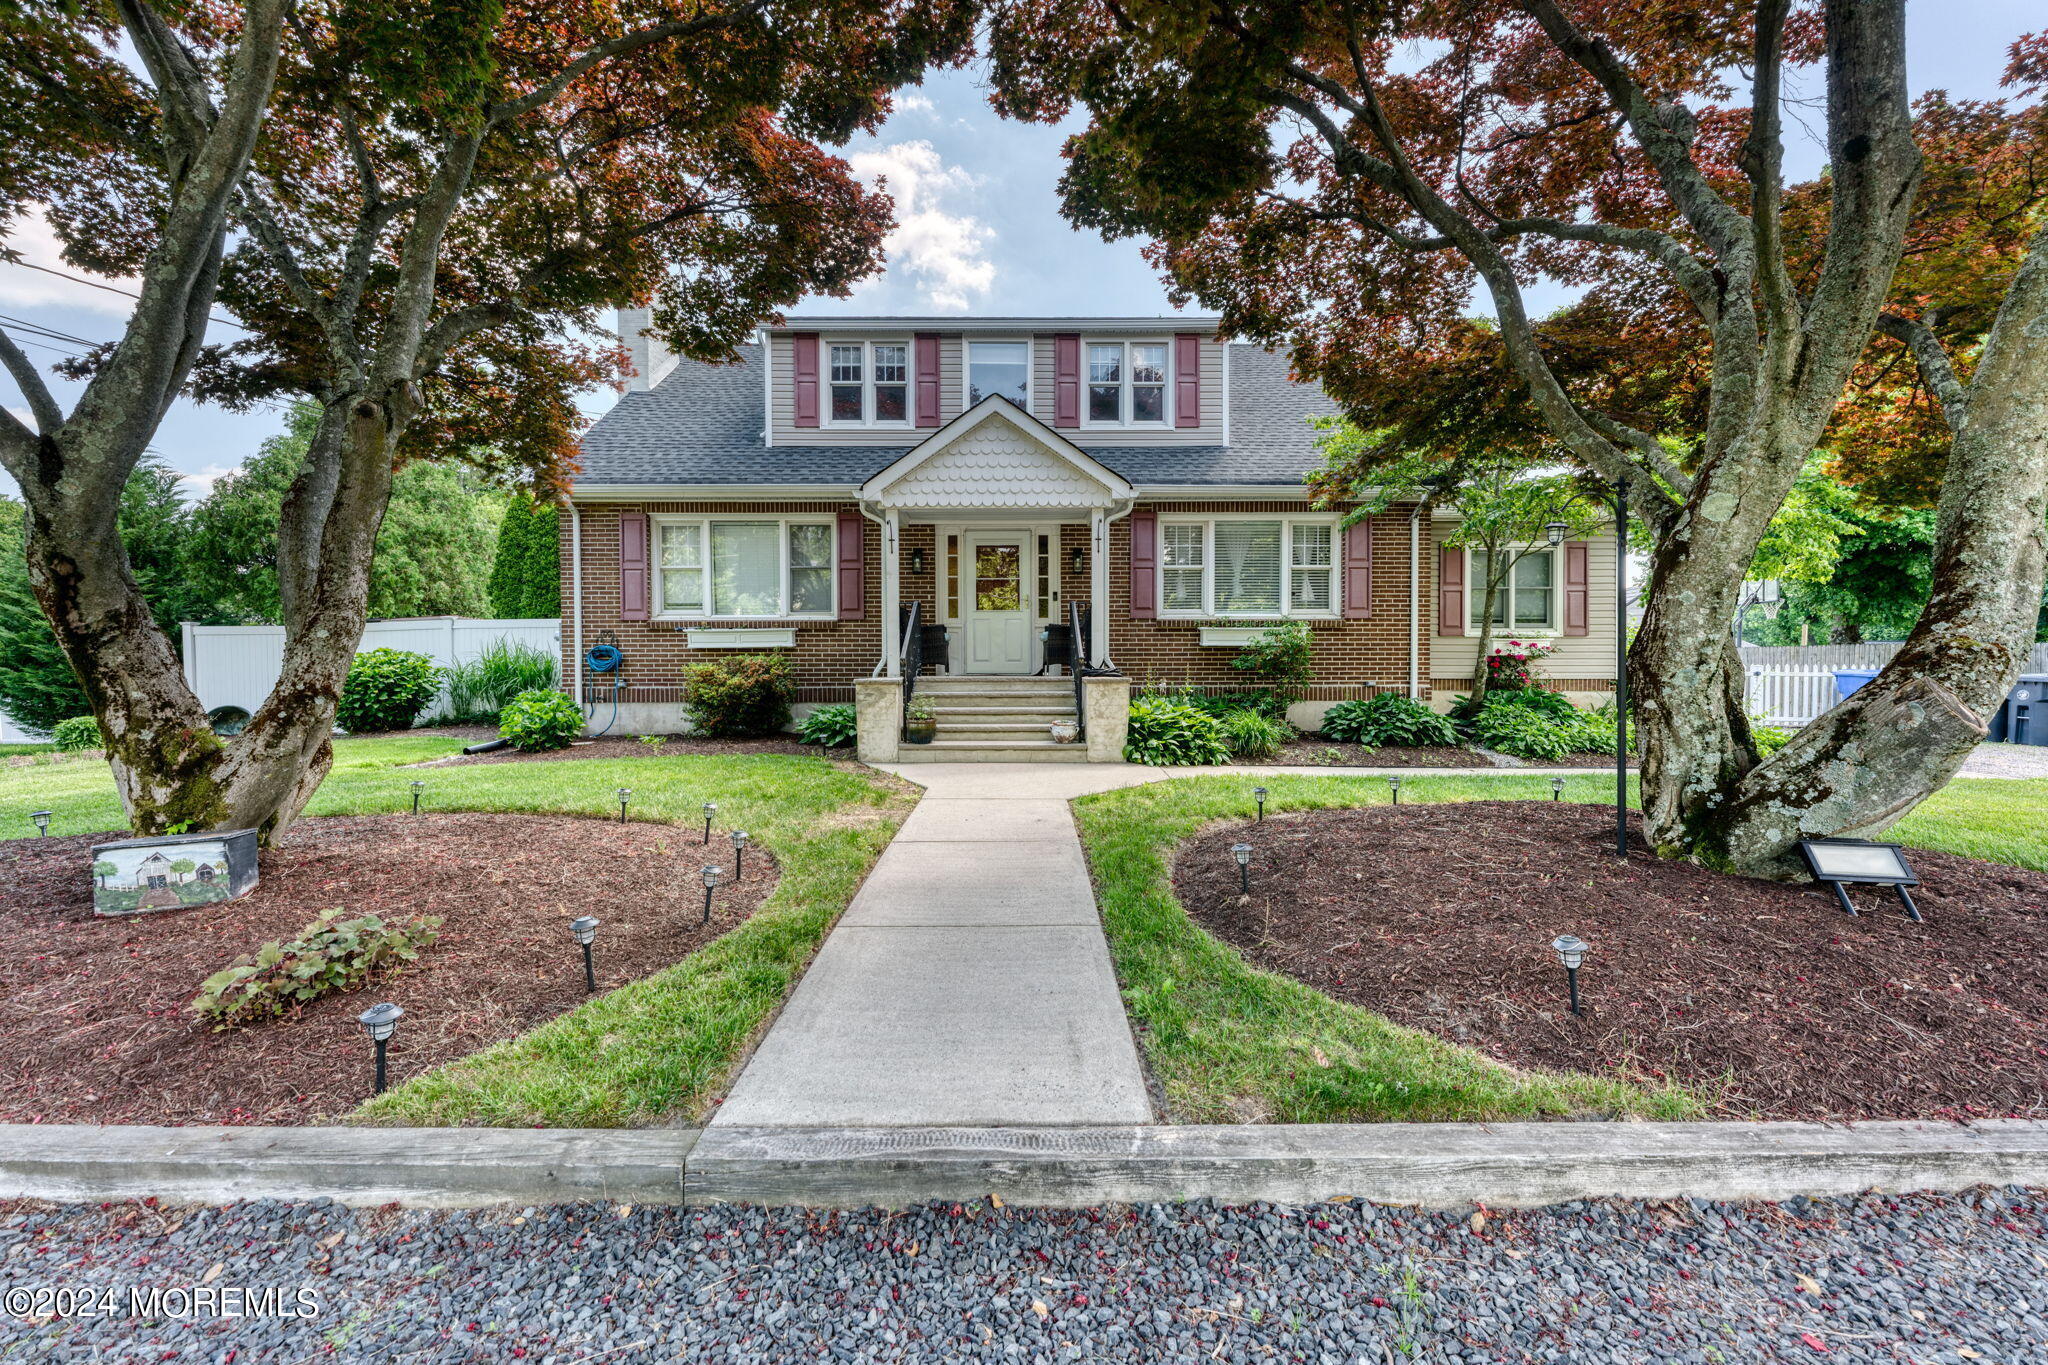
1513 665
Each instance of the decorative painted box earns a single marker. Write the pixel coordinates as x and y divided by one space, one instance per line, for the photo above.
136 876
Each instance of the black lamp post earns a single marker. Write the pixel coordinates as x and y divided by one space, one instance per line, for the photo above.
1243 854
417 788
42 819
380 1022
711 879
1259 795
1570 953
1556 788
1394 788
625 795
710 810
585 930
739 854
1621 668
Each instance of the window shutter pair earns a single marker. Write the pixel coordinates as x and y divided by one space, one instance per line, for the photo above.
924 358
1066 379
1450 590
636 572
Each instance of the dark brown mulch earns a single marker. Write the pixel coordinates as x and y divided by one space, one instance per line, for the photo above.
629 746
94 1027
1441 917
1320 753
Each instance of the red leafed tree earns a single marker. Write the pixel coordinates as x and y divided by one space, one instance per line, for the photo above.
432 210
1341 178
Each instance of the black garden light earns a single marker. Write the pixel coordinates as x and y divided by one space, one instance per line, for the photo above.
585 929
1394 788
1243 854
712 876
1554 532
417 788
739 854
42 819
380 1022
1557 789
1841 861
710 812
625 795
1570 953
1259 795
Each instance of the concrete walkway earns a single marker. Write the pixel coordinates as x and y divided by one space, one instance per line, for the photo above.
969 982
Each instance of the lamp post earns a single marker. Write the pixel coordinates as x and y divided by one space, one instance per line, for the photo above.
1570 953
585 929
380 1022
42 819
1394 787
1554 532
1259 795
1243 854
710 810
1621 668
625 795
739 854
711 879
417 788
1556 788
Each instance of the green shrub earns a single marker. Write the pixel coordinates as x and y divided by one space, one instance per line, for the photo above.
1538 724
1252 735
330 954
1388 718
1282 656
80 732
539 720
386 690
1168 733
1268 704
834 726
745 697
1769 738
479 690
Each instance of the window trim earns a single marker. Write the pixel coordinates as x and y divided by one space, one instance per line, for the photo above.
967 345
867 344
660 521
1288 521
1474 596
1167 385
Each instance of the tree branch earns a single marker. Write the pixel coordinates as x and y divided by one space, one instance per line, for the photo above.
42 404
508 110
1936 371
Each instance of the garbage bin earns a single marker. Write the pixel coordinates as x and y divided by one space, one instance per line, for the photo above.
1847 680
2022 718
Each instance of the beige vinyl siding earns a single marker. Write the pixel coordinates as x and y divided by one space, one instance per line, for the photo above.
783 372
1578 656
1207 434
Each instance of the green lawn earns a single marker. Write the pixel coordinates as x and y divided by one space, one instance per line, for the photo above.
1228 1041
658 1048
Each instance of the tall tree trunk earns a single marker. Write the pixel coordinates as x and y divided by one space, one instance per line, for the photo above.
1481 675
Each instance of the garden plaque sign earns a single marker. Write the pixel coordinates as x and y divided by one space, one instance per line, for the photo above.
137 876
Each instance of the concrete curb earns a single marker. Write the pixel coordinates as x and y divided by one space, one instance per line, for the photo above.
1438 1164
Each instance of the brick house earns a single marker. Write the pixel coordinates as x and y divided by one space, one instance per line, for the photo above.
1013 479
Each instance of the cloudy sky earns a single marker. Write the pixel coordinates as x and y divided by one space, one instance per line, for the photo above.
978 228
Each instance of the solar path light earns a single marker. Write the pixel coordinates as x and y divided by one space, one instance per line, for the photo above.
1394 788
417 788
625 795
1556 788
1570 953
1840 861
585 929
739 854
1243 854
712 876
710 811
42 819
1259 795
380 1022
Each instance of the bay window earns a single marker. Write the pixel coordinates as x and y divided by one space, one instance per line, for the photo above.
743 567
1250 566
1127 383
1527 596
870 383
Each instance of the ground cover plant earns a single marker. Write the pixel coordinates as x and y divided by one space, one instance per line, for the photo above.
1167 731
1387 718
1228 1040
832 727
539 720
77 734
333 953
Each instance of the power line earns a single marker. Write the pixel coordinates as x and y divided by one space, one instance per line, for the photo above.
40 330
96 284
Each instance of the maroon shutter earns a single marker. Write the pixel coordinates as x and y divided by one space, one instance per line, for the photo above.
927 348
1358 571
853 566
1450 590
633 566
1144 565
1066 379
804 346
1578 583
1187 380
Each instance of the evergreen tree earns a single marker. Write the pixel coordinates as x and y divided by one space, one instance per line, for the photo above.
526 578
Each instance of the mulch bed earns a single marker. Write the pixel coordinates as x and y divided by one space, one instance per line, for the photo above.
1441 916
94 1028
629 746
1329 754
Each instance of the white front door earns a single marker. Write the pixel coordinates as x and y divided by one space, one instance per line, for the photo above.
997 613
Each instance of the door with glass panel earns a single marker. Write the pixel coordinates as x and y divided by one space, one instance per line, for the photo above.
997 610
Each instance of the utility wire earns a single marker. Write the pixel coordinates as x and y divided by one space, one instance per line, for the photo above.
127 293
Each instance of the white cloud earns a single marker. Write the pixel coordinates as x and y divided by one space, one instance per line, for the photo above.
32 236
944 253
22 415
199 485
915 104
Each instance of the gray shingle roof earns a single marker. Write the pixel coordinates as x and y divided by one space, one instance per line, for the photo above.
702 425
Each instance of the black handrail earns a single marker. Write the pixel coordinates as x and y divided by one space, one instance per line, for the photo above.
912 655
1077 623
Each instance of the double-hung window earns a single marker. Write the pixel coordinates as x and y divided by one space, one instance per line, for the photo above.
743 567
870 382
1127 383
1249 566
1527 598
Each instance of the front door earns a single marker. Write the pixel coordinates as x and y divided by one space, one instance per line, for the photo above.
998 609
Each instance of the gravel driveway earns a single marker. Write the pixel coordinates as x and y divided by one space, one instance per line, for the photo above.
1924 1279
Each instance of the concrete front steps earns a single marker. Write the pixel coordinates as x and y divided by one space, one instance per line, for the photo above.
996 720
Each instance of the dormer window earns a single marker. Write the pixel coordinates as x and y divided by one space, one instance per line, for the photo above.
1127 383
870 383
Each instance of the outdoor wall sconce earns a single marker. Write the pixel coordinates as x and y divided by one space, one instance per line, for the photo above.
710 810
380 1022
1570 953
711 878
739 854
917 560
1556 788
1553 531
1837 861
1077 561
42 819
1394 787
417 788
625 794
1243 854
585 930
1259 795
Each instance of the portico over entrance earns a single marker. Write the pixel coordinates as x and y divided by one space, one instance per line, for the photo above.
1005 496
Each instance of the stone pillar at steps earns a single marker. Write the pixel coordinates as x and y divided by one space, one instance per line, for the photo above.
878 717
1108 717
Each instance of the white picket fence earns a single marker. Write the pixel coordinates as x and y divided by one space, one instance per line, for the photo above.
238 665
1789 695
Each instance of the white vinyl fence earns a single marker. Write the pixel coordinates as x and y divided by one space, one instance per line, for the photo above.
238 665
